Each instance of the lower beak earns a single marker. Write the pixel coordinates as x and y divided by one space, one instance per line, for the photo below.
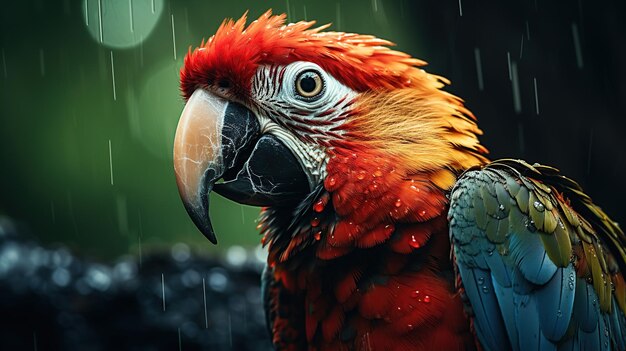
218 139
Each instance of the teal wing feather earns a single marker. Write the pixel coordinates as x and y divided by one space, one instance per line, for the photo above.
540 265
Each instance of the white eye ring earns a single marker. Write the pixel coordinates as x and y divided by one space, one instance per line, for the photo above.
309 84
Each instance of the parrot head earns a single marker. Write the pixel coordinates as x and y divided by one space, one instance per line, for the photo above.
281 115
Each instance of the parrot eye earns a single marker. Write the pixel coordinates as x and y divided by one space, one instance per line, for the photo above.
309 84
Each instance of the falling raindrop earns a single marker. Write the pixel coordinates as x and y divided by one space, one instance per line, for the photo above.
180 344
100 20
111 161
536 97
460 9
579 54
305 16
508 60
206 318
113 77
375 5
521 48
35 341
132 26
163 289
86 6
173 37
479 69
517 100
527 31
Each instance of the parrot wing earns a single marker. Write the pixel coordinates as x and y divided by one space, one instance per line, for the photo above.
539 264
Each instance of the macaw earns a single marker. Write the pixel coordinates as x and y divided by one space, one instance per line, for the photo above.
387 227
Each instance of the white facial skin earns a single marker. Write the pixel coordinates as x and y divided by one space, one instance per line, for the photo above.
303 119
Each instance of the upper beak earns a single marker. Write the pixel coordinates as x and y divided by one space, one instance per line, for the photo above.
216 139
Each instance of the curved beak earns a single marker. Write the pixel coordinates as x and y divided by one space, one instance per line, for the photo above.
219 139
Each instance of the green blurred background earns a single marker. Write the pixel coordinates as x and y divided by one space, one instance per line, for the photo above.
89 104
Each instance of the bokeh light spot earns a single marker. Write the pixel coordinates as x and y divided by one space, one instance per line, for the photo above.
121 24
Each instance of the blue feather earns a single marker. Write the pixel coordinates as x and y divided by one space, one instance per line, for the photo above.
531 258
499 269
505 300
586 306
489 323
555 303
528 319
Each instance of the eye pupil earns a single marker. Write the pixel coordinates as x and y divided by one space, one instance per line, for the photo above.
307 84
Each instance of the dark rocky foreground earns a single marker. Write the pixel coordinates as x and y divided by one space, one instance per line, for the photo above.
53 300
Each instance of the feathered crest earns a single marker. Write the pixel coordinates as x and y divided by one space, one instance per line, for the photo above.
361 62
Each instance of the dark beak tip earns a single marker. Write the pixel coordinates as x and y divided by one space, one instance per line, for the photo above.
207 230
201 219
